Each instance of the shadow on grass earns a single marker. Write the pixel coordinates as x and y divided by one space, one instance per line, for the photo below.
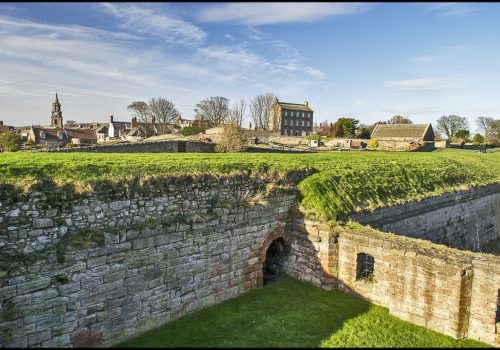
286 313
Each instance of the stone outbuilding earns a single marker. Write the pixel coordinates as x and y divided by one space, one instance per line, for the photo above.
403 136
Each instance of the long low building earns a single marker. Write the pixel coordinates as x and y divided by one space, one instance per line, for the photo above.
402 136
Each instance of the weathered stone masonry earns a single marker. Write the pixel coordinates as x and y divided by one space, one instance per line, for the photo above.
204 250
127 265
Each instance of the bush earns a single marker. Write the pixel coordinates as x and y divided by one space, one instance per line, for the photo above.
231 140
10 141
373 143
71 145
478 139
192 130
314 137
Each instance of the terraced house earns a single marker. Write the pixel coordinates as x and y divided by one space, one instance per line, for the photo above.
293 119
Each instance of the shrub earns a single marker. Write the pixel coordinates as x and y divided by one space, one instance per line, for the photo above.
373 143
192 130
478 139
71 145
231 140
314 137
10 141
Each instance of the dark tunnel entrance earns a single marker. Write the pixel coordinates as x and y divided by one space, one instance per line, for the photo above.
274 264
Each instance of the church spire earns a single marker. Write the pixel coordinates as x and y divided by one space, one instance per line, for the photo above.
56 117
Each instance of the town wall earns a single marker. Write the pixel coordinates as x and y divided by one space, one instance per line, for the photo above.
102 270
133 264
467 220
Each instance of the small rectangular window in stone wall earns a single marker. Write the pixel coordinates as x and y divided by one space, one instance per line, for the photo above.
365 268
497 320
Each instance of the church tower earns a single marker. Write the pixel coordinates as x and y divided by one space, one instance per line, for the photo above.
56 116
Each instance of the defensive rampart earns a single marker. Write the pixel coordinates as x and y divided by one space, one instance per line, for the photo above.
101 270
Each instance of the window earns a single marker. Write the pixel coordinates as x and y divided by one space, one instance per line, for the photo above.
286 113
42 134
303 123
303 114
292 113
366 264
308 123
285 121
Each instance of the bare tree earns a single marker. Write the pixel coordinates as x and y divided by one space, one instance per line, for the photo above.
164 113
260 108
450 124
398 119
214 109
484 124
140 110
237 112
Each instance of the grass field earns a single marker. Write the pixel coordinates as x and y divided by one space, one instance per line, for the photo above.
291 313
342 183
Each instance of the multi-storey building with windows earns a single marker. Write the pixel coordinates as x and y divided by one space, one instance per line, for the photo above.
293 119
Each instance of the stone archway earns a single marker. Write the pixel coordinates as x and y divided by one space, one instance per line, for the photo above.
272 257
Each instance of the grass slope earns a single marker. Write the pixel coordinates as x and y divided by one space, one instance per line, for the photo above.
291 313
344 182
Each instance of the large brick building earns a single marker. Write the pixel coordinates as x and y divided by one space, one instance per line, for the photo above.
292 119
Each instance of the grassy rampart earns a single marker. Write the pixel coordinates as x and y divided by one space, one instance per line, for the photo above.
341 183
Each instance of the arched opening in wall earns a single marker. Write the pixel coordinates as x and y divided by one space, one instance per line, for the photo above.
274 264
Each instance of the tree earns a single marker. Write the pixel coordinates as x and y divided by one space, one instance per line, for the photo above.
462 134
237 112
214 109
10 141
140 110
478 138
450 124
363 132
71 124
345 127
490 127
397 119
231 139
164 113
260 108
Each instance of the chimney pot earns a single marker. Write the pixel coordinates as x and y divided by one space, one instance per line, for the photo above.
134 122
306 103
111 118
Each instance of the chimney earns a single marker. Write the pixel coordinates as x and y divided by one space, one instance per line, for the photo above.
134 122
153 120
306 103
1 123
111 118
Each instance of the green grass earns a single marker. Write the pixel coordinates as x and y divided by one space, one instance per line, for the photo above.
291 313
342 182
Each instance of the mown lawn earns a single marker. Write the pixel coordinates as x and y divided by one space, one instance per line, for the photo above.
291 313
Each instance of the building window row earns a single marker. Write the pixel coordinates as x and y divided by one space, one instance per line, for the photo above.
297 122
298 114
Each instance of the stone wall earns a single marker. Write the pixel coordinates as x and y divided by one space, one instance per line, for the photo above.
143 272
170 146
467 220
102 270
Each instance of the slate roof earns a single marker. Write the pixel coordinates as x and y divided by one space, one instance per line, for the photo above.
399 131
295 106
83 134
121 125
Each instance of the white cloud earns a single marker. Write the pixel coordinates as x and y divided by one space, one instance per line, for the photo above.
413 84
454 8
273 13
152 21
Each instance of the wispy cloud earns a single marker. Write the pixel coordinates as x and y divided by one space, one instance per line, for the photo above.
454 8
425 84
152 21
273 13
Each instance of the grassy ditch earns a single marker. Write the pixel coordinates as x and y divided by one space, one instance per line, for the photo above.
291 313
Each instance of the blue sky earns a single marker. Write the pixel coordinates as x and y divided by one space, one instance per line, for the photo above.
369 61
